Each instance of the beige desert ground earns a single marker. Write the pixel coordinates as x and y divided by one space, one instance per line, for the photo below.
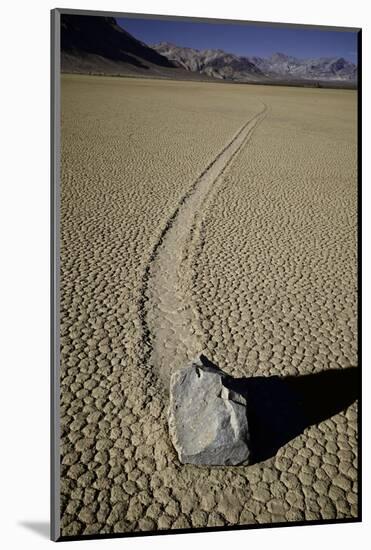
204 217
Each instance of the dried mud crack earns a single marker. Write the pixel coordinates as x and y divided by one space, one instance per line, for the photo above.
168 318
265 270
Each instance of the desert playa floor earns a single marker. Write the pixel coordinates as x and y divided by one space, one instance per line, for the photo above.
217 218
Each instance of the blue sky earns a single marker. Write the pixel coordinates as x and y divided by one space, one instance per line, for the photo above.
245 39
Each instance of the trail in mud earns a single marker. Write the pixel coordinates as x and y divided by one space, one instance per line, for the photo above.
169 318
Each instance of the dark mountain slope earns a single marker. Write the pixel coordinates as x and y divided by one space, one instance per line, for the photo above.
95 44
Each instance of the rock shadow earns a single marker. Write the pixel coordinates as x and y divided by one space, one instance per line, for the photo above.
280 408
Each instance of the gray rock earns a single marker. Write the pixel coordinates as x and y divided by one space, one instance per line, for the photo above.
207 420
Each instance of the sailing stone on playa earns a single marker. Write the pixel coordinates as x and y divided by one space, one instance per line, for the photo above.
207 420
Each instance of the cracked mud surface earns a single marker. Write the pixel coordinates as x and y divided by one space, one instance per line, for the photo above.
266 271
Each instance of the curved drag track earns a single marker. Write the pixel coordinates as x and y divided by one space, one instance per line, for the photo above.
169 315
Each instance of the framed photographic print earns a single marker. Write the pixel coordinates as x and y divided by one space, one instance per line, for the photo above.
205 208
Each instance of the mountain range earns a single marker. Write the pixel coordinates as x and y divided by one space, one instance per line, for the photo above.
98 45
223 65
